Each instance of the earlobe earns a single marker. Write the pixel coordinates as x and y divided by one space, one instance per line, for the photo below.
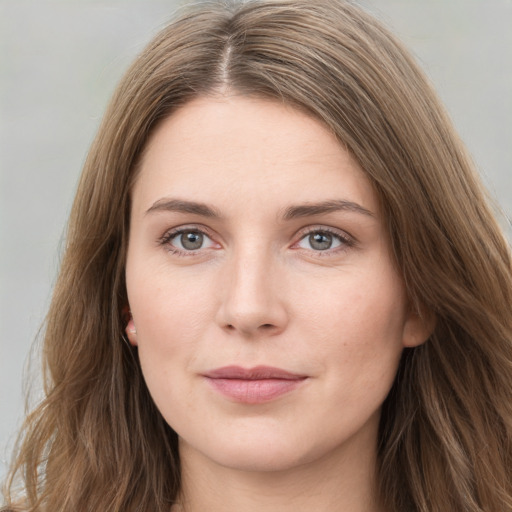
130 328
418 328
131 332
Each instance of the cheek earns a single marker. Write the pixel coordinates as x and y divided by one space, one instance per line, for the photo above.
169 326
360 307
165 303
170 314
357 327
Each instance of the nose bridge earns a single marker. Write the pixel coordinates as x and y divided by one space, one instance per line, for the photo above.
251 300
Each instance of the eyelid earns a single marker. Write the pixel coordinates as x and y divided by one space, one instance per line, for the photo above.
167 237
346 239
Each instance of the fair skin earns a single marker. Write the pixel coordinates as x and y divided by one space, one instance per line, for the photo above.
256 240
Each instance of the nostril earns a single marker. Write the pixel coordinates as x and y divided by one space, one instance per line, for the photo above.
263 327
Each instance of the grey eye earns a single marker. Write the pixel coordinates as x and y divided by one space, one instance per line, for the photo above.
320 241
189 240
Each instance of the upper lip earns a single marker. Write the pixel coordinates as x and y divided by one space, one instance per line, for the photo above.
255 373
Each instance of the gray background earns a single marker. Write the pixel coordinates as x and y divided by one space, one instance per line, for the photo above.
59 63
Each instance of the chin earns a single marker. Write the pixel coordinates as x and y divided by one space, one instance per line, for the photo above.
255 453
260 459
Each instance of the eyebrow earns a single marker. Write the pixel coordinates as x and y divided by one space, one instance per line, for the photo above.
292 212
181 206
310 210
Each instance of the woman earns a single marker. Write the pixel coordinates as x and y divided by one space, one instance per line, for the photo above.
282 289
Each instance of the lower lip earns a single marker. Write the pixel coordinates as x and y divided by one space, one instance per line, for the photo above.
254 391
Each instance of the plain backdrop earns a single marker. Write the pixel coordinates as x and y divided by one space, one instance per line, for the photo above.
59 63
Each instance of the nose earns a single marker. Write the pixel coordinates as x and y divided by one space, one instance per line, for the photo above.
252 295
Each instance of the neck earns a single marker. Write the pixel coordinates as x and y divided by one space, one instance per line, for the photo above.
338 482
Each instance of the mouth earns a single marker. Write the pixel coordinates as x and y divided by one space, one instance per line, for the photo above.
253 385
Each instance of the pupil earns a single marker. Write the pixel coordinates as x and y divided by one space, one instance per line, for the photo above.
192 240
320 241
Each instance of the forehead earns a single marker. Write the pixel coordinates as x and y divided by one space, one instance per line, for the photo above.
236 149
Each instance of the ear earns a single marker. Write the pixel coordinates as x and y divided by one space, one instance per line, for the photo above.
131 332
130 329
418 327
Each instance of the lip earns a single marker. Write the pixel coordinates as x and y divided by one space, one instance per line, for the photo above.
253 385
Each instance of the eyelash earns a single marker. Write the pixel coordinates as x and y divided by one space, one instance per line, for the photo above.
346 241
166 239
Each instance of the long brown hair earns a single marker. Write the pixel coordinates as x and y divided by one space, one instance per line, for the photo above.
97 442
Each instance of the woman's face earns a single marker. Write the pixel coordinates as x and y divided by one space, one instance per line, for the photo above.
269 316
